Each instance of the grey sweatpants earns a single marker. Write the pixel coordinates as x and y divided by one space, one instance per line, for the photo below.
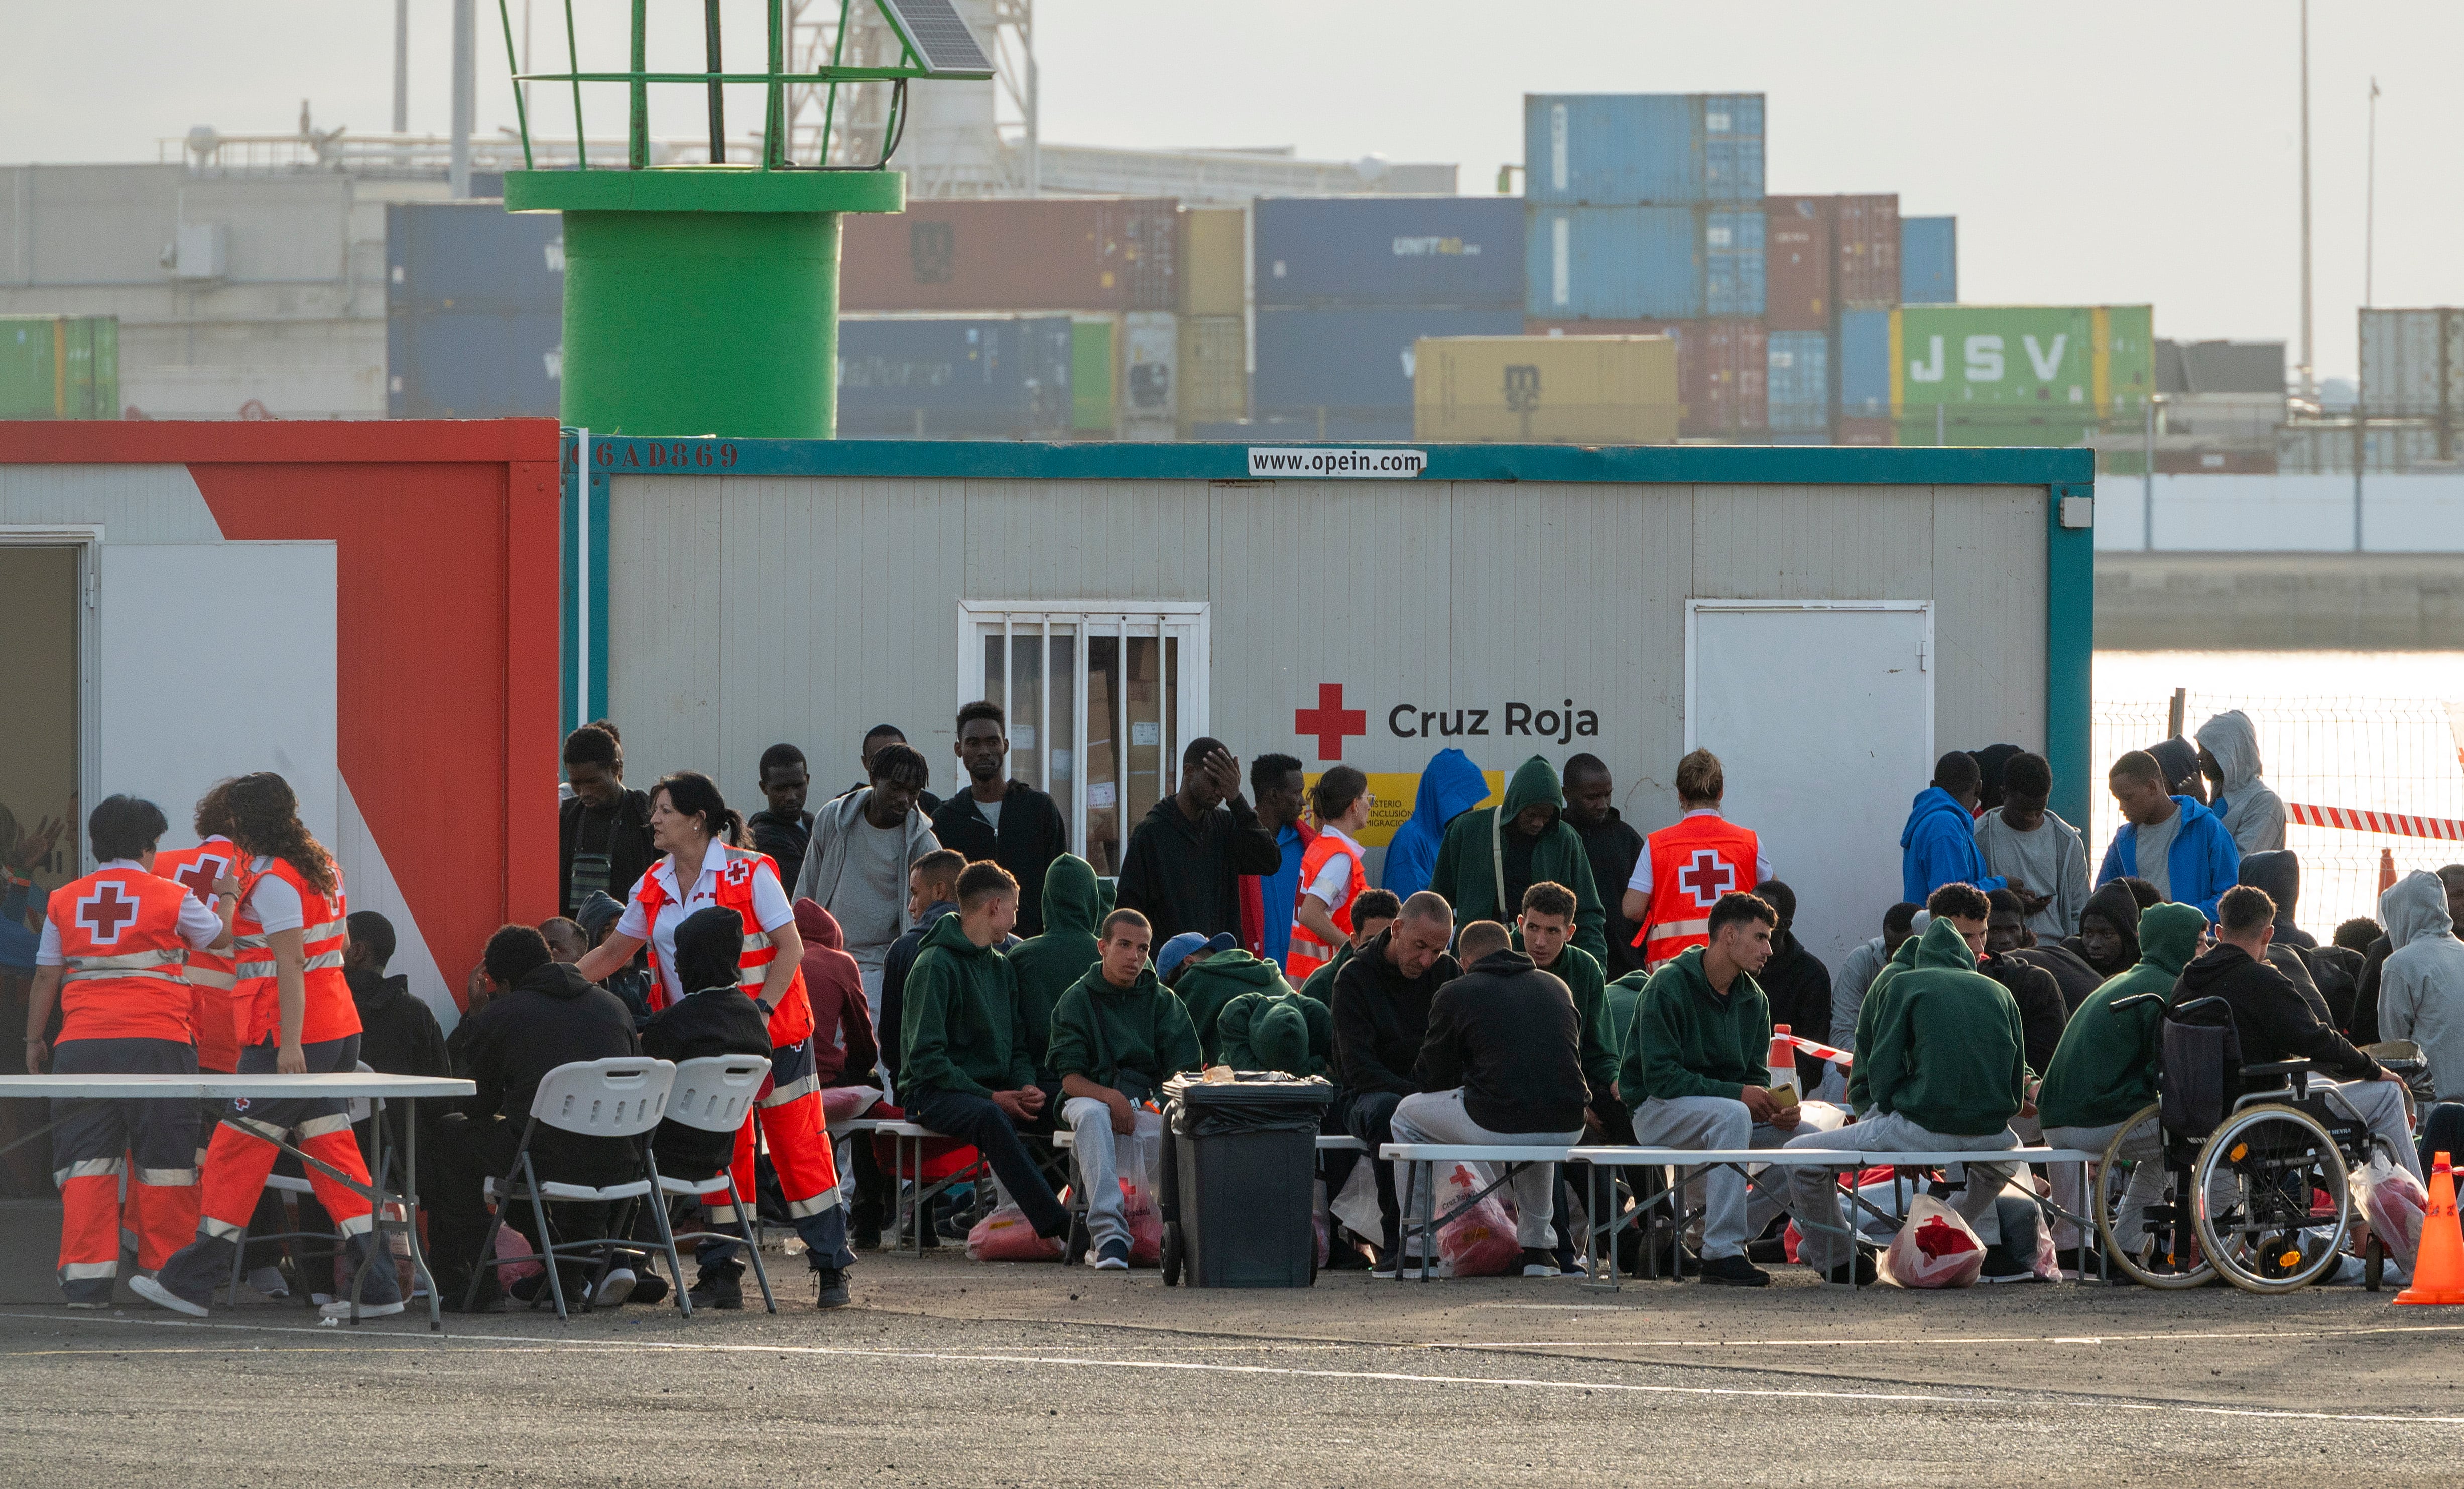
1099 1150
1439 1116
1814 1193
1734 1212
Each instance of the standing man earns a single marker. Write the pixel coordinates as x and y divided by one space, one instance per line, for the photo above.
2228 756
1938 846
1381 1015
1184 862
2172 842
1491 854
878 738
2024 841
1265 925
783 827
856 865
602 830
1687 866
1007 822
1614 848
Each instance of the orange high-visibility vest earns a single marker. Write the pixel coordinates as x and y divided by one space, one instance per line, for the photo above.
1693 863
214 1020
330 1014
1307 954
123 957
792 1020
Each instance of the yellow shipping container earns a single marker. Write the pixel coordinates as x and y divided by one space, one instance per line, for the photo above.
1214 260
1213 371
1545 390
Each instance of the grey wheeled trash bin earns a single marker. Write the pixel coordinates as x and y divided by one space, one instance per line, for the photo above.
1236 1194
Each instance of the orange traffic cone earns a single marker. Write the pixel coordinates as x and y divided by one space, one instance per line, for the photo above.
2439 1270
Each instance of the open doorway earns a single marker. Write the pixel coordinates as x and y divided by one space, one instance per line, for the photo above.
38 791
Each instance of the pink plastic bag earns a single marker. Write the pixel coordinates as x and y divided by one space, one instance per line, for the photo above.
510 1244
1480 1242
2392 1202
1935 1248
1146 1226
1007 1235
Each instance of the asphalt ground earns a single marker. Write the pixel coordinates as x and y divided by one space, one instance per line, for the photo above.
946 1373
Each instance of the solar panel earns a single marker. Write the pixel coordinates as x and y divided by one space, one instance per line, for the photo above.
938 37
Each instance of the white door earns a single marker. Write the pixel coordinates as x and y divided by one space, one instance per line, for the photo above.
216 659
1822 718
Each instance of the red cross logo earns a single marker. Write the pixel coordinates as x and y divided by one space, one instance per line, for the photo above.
106 912
1329 721
738 871
198 877
1706 876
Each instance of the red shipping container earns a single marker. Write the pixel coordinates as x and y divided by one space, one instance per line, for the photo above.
1796 263
1052 254
1866 230
1732 371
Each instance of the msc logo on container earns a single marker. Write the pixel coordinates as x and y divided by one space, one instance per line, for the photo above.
1419 248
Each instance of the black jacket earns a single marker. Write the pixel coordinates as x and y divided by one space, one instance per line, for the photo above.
551 1018
714 1021
1506 1032
2365 1022
627 841
1185 876
2338 972
2275 1020
2042 1008
1615 847
1381 1018
399 1036
1798 988
1031 836
783 838
2070 971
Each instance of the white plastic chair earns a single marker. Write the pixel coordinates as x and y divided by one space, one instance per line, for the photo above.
715 1093
623 1097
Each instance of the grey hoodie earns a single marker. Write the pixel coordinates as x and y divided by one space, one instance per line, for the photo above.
2252 813
2421 988
825 866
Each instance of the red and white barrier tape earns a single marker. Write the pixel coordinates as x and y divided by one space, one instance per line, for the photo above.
1822 1052
2397 823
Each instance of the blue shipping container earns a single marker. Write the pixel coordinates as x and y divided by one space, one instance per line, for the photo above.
1631 149
997 377
1733 263
1618 263
1354 364
1799 381
473 364
1459 251
1865 364
1929 260
473 256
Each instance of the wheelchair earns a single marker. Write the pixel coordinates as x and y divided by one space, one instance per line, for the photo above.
2238 1170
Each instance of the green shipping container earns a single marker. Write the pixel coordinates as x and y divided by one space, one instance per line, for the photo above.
59 367
2019 375
1091 376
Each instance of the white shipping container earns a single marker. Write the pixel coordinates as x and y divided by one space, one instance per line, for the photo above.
2413 363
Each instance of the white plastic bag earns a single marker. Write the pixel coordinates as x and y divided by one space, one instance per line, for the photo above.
2392 1202
1934 1249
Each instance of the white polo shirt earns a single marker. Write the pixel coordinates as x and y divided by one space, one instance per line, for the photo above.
770 907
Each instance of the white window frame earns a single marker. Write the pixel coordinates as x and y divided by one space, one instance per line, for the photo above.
1186 620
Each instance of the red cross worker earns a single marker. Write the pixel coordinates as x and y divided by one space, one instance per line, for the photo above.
1687 867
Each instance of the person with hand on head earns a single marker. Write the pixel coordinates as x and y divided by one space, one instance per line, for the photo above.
999 819
1381 1018
1938 846
1183 866
1280 788
1372 913
2173 841
2024 839
1116 1036
1491 854
602 830
863 846
111 952
1687 866
783 827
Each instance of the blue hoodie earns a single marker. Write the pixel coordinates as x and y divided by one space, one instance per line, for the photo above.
1449 787
1938 847
2199 867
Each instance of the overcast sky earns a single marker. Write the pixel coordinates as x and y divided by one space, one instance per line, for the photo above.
2093 152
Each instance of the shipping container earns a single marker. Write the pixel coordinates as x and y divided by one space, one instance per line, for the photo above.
1928 261
1865 432
1064 253
1214 260
1732 367
1631 149
2019 375
1150 355
1094 350
990 377
2327 449
1733 263
2412 364
1462 252
1865 365
1353 368
473 256
1543 390
1799 384
1214 371
59 367
473 364
1796 263
1865 233
1615 263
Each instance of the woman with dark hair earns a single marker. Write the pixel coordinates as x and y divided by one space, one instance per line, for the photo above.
296 1017
1332 873
602 830
696 827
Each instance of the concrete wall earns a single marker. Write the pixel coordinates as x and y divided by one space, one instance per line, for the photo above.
2160 602
2281 513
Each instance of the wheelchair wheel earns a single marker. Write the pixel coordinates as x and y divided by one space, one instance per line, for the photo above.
2148 1233
2269 1193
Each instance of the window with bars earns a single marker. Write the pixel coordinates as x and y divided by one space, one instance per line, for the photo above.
1101 698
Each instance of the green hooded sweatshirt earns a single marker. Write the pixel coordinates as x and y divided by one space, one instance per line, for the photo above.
1622 997
1866 1014
1276 1031
1948 1053
1471 874
1132 1039
1048 965
1320 983
961 1025
1209 985
2104 1070
1688 1040
1580 971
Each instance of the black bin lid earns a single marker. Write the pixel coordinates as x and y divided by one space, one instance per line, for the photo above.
1251 1089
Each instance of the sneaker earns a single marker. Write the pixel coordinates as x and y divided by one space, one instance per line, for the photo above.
1539 1263
1863 1265
367 1310
650 1288
269 1283
2000 1266
162 1296
1734 1272
614 1288
1113 1256
1568 1263
1390 1267
829 1288
718 1289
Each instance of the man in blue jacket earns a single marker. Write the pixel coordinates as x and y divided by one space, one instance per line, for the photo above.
1938 846
2172 842
1451 786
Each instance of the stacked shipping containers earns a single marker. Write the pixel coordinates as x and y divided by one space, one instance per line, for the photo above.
60 367
1538 389
2007 374
1928 261
1214 354
954 377
475 311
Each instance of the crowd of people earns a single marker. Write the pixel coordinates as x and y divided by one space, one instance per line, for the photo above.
1536 972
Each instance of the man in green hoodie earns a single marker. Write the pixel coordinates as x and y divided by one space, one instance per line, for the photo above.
968 1072
1048 965
1491 854
1117 1036
1945 1069
1206 985
1276 1031
2103 1072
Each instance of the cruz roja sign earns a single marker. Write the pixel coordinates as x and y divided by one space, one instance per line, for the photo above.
1561 721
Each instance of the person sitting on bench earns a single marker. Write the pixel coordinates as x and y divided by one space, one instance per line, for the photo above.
1501 1063
1117 1036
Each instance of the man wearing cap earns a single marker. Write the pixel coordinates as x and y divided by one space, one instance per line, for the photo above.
1117 1036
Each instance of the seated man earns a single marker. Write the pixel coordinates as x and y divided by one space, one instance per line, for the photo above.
1276 1031
967 1073
1697 1069
1942 1060
931 893
714 1018
1501 1063
2276 1023
1373 912
1381 1018
1117 1036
